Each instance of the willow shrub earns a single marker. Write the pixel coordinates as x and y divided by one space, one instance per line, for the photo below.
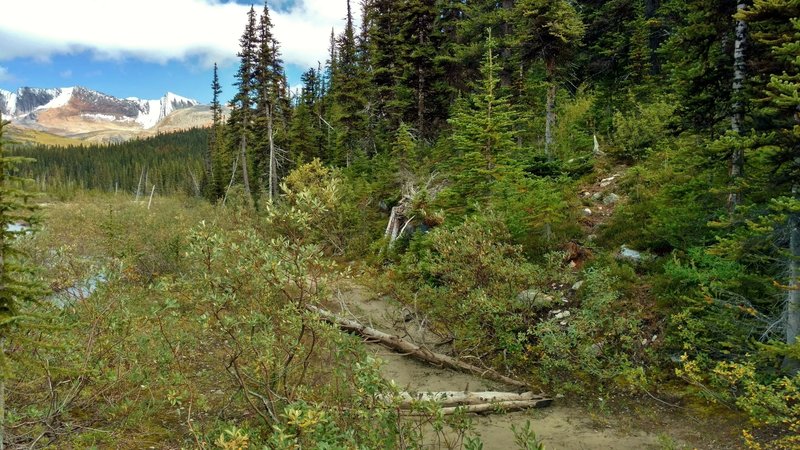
471 282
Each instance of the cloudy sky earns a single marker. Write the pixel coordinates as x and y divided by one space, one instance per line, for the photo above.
143 48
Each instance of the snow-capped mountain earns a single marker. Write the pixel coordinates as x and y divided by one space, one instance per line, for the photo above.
81 112
151 112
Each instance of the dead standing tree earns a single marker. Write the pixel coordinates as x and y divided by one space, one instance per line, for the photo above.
413 203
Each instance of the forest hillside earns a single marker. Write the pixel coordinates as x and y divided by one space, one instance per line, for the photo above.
583 204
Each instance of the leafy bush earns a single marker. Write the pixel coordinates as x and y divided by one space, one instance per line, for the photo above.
639 131
476 287
601 342
669 202
715 311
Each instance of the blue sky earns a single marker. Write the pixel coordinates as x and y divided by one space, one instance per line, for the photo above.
148 47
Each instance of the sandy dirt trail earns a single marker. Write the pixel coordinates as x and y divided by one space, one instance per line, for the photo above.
558 426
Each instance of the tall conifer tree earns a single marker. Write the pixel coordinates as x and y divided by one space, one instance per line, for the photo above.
349 101
242 112
550 30
14 291
213 158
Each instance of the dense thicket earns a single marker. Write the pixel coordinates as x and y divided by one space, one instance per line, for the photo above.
440 111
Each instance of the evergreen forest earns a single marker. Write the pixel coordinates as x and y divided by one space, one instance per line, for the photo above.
589 209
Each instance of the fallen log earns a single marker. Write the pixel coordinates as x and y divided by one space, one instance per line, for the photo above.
460 398
423 354
499 407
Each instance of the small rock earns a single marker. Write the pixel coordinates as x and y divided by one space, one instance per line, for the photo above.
591 237
577 285
534 298
611 199
597 196
562 315
572 264
644 341
628 254
587 194
563 323
587 212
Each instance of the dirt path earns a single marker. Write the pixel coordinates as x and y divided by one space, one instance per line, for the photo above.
558 426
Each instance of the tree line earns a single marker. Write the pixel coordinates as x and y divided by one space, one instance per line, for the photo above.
173 163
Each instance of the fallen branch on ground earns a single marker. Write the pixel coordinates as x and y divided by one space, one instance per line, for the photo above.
423 354
460 398
500 407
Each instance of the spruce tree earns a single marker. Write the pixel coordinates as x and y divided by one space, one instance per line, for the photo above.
550 30
213 158
267 91
420 77
242 108
700 60
775 24
349 100
483 136
15 291
618 56
306 134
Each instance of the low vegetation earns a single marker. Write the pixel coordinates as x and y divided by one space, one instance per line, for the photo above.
635 232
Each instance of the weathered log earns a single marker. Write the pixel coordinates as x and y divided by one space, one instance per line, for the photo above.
499 407
460 398
423 354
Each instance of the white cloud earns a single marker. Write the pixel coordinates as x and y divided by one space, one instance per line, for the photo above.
161 30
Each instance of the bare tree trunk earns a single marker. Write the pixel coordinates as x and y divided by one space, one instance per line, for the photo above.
460 398
150 203
502 407
243 157
393 228
139 188
273 175
737 116
233 178
791 365
550 118
407 348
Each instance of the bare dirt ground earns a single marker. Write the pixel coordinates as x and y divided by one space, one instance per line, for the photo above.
560 426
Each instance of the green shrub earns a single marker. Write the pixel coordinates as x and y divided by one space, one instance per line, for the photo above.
639 131
601 342
468 279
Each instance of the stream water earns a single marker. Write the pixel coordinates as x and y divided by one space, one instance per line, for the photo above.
78 291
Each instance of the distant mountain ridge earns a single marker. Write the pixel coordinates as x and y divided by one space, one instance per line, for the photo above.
83 113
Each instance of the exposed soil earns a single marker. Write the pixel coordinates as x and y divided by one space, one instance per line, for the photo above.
564 425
